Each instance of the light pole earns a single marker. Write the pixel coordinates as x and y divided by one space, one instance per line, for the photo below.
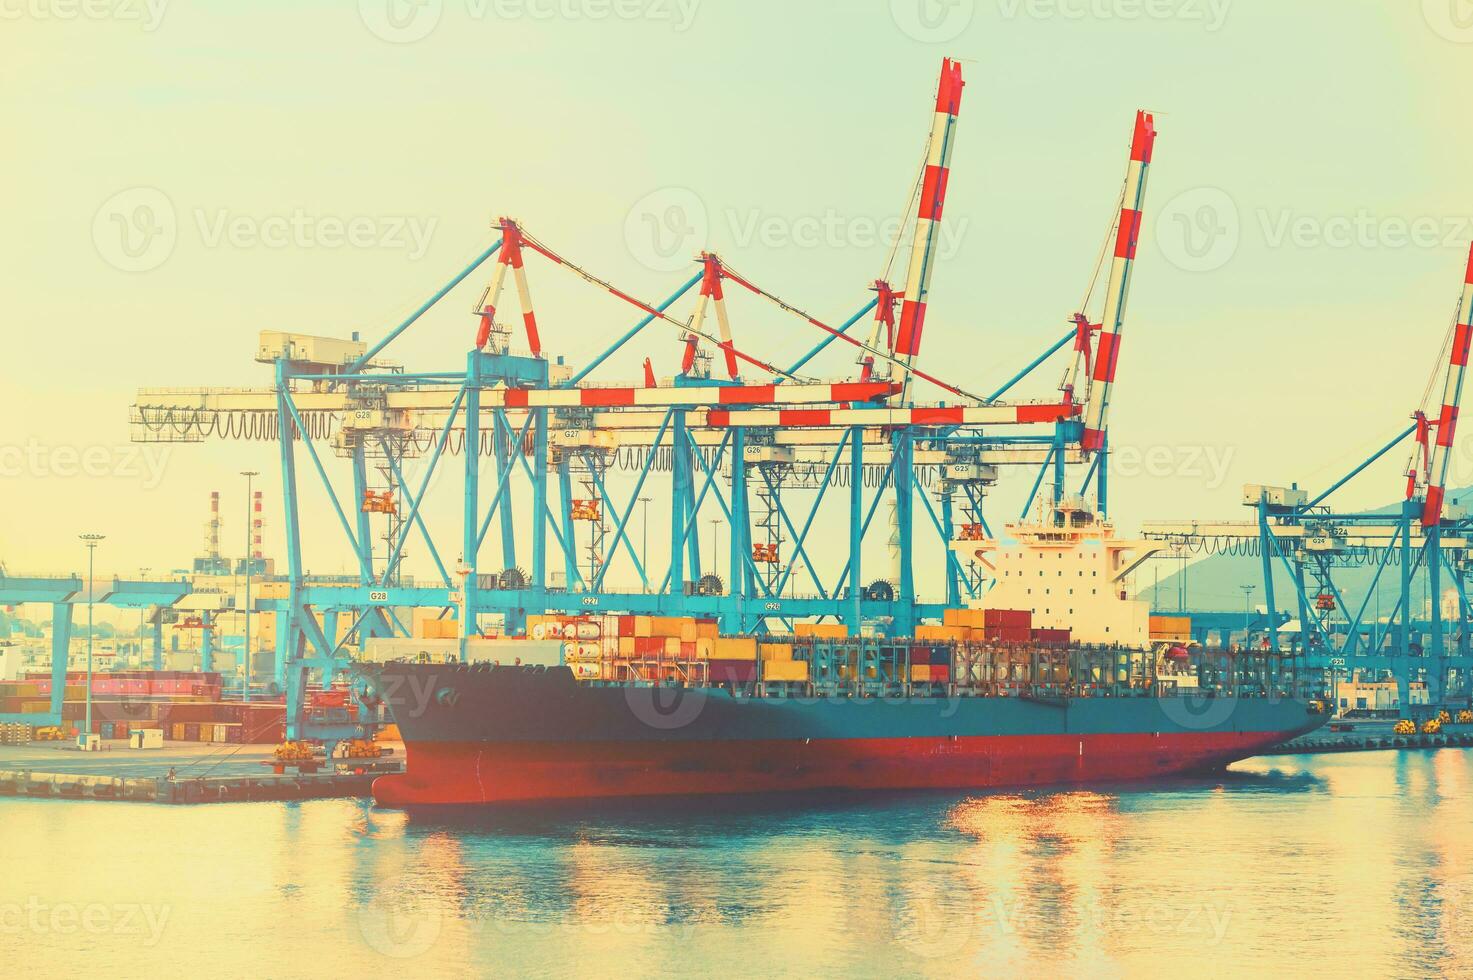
644 551
91 541
142 615
250 476
1247 609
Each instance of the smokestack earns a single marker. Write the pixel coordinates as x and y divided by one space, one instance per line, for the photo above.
256 549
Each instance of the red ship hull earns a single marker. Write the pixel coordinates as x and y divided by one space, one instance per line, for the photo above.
483 772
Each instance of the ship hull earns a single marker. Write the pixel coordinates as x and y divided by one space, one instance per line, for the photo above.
485 737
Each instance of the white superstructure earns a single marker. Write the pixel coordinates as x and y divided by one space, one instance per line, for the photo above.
1069 569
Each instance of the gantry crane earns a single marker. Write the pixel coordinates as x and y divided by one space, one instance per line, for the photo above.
1309 541
760 431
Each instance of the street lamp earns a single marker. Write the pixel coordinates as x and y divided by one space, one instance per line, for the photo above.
250 476
91 541
1247 609
142 614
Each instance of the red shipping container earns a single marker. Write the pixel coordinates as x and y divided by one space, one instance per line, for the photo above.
626 626
732 671
920 655
688 650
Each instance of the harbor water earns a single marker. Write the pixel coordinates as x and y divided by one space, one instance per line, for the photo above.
1356 864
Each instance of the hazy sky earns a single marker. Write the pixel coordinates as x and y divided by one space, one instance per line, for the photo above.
178 177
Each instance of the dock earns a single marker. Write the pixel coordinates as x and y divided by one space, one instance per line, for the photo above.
178 773
1371 736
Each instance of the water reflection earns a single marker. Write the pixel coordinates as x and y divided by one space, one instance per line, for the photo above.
1360 860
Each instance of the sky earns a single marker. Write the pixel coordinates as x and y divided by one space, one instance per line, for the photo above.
180 176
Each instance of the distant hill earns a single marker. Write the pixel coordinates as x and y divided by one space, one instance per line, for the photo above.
1215 582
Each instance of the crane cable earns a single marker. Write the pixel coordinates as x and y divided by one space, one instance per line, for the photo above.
685 325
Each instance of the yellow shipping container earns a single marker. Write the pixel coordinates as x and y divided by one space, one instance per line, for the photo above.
626 646
775 651
643 626
688 632
709 630
735 648
822 631
705 647
785 670
956 617
672 646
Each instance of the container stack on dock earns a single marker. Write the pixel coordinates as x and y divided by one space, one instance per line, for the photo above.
185 705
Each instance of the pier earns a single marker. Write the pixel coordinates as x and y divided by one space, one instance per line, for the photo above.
177 774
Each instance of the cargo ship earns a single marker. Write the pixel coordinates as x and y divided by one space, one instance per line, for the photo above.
1062 686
